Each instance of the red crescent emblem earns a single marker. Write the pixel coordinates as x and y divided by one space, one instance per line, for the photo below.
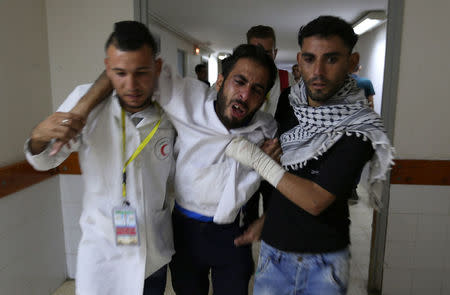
162 150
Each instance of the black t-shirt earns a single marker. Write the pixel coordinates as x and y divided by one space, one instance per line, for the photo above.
290 228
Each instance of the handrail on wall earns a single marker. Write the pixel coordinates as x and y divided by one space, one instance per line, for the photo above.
21 175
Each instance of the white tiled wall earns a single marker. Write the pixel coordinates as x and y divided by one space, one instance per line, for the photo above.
32 259
72 189
417 259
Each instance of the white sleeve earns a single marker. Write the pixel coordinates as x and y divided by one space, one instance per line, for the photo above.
43 161
74 97
169 86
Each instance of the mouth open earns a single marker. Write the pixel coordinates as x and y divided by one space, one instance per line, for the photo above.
238 110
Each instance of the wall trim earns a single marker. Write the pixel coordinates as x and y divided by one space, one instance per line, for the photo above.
19 176
421 172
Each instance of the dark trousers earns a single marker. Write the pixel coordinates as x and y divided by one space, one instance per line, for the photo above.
251 208
156 283
201 247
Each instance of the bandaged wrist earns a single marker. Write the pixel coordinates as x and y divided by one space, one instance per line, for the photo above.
249 154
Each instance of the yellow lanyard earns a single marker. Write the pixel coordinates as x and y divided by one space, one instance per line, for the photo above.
136 152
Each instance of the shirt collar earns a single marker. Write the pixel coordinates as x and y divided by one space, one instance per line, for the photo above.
149 115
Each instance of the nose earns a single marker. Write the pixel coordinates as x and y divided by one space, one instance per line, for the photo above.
131 83
319 68
245 92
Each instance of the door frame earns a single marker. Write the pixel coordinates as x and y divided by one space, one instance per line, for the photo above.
388 109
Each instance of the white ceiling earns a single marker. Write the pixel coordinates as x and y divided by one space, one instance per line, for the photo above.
222 25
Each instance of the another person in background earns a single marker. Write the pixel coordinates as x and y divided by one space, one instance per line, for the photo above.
365 84
265 36
202 73
369 92
296 73
114 256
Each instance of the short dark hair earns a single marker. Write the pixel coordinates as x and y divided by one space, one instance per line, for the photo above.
262 32
254 53
326 26
199 68
131 35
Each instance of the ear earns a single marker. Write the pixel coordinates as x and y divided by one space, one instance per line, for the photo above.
107 66
219 82
354 61
275 51
158 66
299 57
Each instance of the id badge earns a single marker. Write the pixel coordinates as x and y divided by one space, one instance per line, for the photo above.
126 226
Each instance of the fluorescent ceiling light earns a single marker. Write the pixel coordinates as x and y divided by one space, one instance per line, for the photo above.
222 56
369 21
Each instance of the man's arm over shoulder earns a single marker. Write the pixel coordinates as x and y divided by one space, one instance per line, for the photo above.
60 126
97 92
173 87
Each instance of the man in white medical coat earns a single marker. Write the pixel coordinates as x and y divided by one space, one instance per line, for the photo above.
125 152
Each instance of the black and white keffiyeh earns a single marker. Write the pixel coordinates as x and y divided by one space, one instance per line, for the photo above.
319 128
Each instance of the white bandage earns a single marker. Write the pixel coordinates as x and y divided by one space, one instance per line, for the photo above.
247 153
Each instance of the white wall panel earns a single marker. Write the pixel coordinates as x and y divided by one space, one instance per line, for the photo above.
32 258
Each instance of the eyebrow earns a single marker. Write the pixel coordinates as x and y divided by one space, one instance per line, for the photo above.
138 69
328 54
242 77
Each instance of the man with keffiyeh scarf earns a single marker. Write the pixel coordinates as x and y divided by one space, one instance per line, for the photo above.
328 132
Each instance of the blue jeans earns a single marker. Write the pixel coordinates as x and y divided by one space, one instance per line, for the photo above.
282 272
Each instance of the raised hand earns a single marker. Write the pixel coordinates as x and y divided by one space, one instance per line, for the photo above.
60 126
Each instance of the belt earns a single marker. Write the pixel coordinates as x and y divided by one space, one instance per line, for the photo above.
193 215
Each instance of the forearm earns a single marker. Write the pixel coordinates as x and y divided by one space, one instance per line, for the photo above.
305 193
96 94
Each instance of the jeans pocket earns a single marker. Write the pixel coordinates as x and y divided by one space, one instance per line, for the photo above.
262 265
263 260
338 270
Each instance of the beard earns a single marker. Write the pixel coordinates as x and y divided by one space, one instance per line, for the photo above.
220 106
322 95
132 108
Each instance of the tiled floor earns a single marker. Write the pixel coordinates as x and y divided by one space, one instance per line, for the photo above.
360 235
361 216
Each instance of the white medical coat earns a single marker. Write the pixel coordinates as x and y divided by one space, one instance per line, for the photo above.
103 267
